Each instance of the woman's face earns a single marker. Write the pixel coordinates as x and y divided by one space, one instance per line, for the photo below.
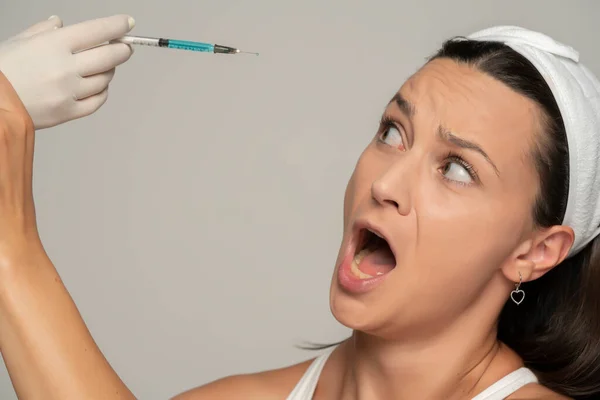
449 182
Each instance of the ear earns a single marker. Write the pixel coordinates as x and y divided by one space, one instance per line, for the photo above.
545 250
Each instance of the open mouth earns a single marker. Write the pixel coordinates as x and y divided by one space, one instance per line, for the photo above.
373 256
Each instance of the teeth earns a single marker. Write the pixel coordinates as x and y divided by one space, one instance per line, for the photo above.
376 234
357 260
359 257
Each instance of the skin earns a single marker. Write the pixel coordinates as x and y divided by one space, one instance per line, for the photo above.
427 331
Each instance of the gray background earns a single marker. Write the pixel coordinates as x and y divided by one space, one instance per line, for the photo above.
196 218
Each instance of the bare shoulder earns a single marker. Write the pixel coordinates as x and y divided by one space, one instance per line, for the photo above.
535 391
267 385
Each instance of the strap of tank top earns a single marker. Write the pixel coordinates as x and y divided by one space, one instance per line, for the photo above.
508 385
305 388
503 388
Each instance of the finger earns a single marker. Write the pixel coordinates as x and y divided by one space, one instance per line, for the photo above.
90 104
92 85
102 59
88 34
50 24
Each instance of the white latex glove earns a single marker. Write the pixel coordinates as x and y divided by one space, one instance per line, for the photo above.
62 73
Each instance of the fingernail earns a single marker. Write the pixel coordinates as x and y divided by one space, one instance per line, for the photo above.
131 22
52 17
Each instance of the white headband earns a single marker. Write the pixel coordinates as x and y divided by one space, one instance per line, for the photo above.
577 93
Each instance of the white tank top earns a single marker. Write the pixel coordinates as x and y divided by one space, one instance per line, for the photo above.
503 388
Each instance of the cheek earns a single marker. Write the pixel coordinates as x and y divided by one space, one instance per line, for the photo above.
458 246
468 227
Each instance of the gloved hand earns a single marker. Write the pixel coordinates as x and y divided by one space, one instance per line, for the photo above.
62 73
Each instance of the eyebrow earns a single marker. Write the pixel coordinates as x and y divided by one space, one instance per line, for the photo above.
448 136
405 106
443 133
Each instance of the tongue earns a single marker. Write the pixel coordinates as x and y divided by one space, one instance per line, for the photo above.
378 262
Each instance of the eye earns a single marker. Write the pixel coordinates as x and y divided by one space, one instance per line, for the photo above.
457 170
392 137
390 134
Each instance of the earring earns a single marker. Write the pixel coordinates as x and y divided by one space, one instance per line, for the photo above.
518 295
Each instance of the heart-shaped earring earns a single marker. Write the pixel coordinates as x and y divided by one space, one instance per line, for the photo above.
518 295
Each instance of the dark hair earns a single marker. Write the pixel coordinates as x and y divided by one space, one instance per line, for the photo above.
556 331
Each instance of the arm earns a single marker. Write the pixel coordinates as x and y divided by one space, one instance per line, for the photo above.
66 363
46 346
268 385
48 351
247 387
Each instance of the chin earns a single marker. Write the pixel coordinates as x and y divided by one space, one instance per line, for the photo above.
356 313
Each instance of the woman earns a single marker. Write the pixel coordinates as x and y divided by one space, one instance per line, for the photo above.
469 266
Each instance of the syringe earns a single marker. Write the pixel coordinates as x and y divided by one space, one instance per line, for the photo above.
180 44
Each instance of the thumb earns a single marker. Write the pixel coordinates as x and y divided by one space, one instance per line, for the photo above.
51 23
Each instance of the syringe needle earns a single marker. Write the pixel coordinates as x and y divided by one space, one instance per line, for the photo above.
246 52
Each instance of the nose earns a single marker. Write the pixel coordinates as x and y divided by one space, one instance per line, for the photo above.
391 189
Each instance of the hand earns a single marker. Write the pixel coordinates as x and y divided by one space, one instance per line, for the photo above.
63 73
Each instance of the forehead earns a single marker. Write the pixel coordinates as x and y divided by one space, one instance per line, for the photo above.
474 106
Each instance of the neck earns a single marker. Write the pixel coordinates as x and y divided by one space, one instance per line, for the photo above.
457 363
